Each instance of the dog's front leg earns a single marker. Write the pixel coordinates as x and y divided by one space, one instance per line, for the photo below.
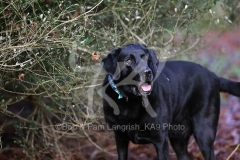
122 147
162 149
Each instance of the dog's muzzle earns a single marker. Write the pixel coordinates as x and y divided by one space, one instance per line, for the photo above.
144 87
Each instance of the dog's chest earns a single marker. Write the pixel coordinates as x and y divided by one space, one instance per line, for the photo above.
134 123
138 133
137 130
131 110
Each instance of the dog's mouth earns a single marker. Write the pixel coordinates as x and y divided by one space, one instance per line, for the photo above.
143 89
146 87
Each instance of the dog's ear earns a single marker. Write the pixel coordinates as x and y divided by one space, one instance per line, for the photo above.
153 64
110 64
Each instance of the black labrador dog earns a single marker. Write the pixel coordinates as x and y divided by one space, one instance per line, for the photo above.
147 101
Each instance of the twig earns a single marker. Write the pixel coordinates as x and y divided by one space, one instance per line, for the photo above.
97 146
233 152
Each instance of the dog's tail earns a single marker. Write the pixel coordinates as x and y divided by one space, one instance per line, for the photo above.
229 86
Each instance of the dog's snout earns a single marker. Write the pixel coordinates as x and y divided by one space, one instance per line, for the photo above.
147 74
148 71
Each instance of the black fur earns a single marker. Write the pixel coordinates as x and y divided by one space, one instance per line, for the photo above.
184 95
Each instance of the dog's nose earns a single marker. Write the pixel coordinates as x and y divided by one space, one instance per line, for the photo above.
148 71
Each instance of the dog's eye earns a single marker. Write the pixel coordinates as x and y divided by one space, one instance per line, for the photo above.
128 62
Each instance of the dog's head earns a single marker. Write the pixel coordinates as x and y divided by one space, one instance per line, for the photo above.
133 68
